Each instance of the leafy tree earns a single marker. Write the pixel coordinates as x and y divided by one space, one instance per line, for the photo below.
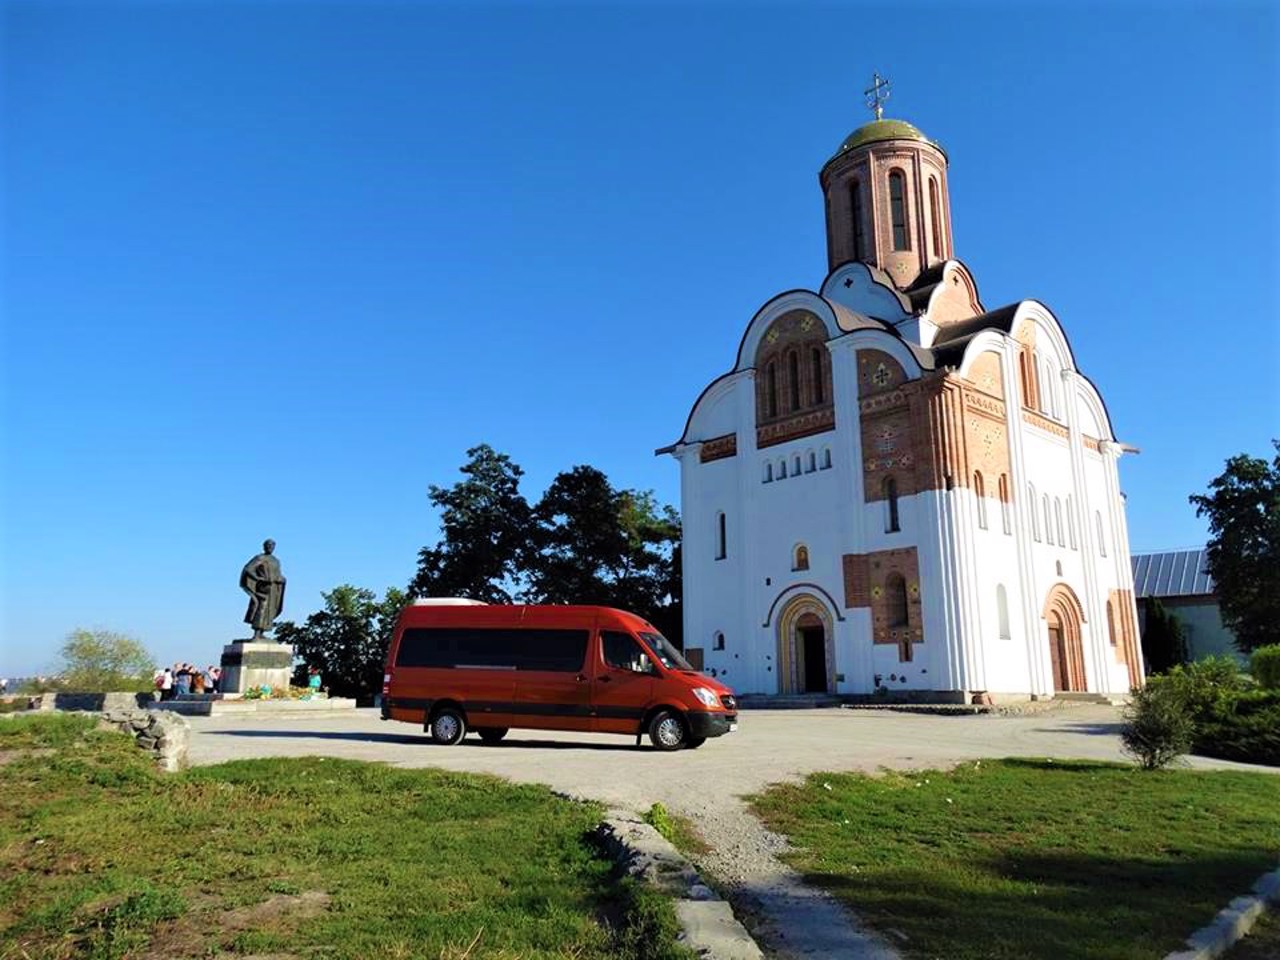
1158 727
97 661
485 521
1243 507
591 543
346 641
1164 640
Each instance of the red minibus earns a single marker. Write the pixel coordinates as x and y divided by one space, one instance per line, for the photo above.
457 665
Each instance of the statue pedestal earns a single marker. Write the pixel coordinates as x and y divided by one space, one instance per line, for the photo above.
246 665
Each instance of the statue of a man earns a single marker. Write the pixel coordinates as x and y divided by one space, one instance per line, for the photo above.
262 580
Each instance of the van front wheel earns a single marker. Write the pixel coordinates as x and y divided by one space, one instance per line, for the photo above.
492 735
667 730
448 726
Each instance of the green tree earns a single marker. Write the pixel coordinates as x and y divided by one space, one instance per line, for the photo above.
591 543
97 661
347 641
1243 507
1164 639
486 523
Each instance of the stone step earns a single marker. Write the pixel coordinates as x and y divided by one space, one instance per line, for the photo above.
798 701
217 706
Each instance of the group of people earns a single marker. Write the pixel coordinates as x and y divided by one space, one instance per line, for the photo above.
183 678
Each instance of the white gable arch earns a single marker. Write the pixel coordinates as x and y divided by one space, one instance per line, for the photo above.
1092 411
1054 341
992 340
857 287
775 308
884 341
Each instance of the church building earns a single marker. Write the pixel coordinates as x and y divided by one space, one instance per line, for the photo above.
897 487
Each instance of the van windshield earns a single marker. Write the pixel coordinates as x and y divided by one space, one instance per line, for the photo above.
667 655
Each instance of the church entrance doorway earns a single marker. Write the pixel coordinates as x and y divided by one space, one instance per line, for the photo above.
806 648
813 639
1064 619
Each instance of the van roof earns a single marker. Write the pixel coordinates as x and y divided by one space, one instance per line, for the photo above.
500 611
447 602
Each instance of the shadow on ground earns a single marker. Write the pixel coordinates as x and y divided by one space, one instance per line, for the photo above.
423 741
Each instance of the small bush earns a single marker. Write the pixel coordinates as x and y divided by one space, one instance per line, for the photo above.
1158 727
660 820
1246 729
1265 666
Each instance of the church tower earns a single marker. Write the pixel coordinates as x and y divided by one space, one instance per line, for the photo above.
886 197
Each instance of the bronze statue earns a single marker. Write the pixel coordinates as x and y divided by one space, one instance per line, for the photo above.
262 580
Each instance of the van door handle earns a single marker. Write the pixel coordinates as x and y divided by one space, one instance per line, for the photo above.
605 679
581 677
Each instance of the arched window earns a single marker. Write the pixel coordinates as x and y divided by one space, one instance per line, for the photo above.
890 490
1047 403
793 377
1002 611
768 472
815 357
895 594
898 209
855 211
1071 522
1102 537
800 558
1006 517
718 642
1111 623
935 212
813 462
980 494
1031 512
771 389
782 469
1024 378
826 458
720 536
1057 516
1048 521
795 465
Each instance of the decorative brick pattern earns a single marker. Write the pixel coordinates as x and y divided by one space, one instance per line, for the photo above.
793 428
1063 616
867 584
1092 443
1123 628
1041 422
792 401
718 448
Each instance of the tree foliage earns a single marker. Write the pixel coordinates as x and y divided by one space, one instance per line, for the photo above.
1158 727
1243 508
346 641
485 520
99 661
1164 638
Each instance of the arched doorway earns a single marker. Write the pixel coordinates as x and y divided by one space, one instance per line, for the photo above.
806 648
1063 618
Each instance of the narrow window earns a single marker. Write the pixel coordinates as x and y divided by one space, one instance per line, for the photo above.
1057 516
826 458
855 211
1006 517
771 388
795 465
1071 522
1024 378
980 494
815 356
1102 539
895 594
782 469
1048 521
813 462
768 472
898 209
936 213
793 374
1002 611
718 642
1111 623
1031 511
800 560
890 490
720 536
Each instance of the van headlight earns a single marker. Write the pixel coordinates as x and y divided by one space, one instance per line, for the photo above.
707 697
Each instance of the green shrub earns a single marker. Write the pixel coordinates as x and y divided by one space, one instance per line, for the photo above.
1246 729
1158 726
660 820
1265 666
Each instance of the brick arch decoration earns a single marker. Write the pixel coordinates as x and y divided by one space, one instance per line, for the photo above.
802 610
1062 609
798 332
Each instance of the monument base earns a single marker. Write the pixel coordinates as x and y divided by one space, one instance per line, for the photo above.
247 665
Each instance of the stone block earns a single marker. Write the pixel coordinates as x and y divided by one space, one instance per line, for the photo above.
246 665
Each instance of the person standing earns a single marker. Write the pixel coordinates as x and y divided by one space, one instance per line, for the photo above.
182 679
211 679
166 684
263 581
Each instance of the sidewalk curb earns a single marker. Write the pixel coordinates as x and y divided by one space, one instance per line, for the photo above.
1233 922
707 924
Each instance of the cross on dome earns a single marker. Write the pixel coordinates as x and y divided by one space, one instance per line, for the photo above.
875 97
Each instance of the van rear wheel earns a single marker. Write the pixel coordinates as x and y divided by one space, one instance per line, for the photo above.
667 730
492 735
448 726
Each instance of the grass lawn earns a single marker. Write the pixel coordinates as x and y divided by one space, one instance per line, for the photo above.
1031 858
101 857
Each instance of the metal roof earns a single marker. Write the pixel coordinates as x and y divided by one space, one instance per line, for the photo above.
1175 573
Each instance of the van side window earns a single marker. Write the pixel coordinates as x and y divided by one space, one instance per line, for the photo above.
560 651
623 653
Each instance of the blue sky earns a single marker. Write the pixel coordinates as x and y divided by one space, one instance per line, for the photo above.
270 269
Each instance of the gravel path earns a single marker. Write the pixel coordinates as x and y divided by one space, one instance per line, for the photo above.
791 921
